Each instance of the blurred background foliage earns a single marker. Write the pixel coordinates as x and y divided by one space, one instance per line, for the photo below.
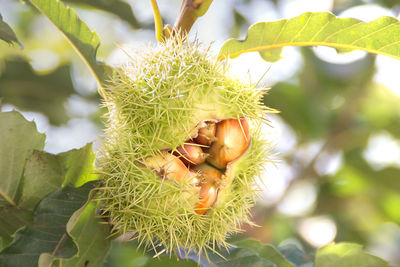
336 175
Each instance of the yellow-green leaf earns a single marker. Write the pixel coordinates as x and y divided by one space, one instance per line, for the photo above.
7 34
85 41
380 36
119 8
16 146
27 175
346 254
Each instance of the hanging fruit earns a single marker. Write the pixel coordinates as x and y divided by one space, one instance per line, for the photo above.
170 109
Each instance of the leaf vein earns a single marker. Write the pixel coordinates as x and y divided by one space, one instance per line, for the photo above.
342 30
322 28
282 30
374 32
388 45
302 28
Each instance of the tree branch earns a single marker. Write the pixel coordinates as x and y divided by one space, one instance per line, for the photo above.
190 11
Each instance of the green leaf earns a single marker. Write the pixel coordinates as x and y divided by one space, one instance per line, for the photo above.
381 36
18 139
28 175
346 254
243 257
48 231
126 254
117 7
265 251
22 87
12 219
91 237
45 173
36 175
172 261
293 253
15 148
130 254
79 166
85 41
247 252
7 34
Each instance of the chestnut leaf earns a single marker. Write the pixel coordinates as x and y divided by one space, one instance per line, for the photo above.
380 36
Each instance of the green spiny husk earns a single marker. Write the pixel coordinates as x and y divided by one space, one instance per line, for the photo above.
156 103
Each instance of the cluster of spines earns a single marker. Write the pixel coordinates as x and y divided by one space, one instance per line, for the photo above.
156 222
167 91
154 104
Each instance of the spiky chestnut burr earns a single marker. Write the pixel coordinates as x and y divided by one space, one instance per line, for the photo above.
155 103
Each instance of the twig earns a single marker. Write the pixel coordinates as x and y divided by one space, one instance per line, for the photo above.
158 24
190 11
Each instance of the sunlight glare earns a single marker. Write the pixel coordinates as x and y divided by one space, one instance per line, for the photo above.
318 231
299 200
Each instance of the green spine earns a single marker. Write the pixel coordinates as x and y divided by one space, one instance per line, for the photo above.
155 103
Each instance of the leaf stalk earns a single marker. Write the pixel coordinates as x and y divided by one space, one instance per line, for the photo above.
158 24
189 12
